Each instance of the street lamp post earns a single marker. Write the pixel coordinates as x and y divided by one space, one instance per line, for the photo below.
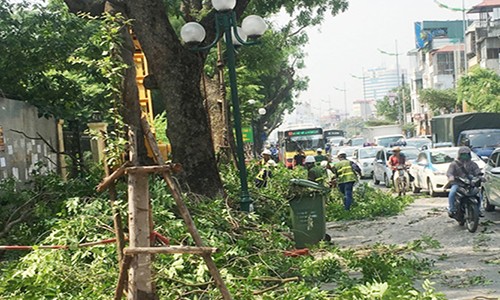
253 26
345 99
261 111
402 107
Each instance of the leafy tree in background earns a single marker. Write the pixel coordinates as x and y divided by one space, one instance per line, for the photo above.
352 126
273 66
178 70
480 89
52 61
444 101
391 109
64 65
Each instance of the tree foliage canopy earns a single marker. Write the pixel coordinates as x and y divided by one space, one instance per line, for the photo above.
480 89
439 100
391 109
55 60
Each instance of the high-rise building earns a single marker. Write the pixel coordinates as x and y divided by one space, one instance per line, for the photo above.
380 81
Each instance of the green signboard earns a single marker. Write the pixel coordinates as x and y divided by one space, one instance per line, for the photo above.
247 134
302 132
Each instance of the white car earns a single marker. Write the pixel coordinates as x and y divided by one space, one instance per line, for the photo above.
431 167
387 140
364 158
381 172
491 188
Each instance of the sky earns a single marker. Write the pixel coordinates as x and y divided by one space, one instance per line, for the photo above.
347 43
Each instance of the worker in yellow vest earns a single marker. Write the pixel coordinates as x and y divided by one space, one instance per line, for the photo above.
345 174
267 163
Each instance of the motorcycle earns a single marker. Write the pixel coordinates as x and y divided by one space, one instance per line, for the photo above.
467 202
401 180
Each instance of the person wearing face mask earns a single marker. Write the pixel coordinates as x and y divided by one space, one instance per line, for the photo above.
463 167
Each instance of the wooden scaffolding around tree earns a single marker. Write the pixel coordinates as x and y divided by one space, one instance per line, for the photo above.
135 260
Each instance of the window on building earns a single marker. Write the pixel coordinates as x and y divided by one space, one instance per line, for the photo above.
492 53
445 64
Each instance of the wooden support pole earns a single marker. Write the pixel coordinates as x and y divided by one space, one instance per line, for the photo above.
185 212
154 169
122 278
140 285
169 250
111 178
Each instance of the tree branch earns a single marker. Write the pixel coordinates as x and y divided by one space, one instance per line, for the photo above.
52 149
9 224
93 7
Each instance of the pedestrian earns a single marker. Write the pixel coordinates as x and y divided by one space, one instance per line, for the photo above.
345 173
314 172
319 156
299 158
266 164
274 152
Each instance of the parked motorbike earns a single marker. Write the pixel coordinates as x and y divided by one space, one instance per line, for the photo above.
467 202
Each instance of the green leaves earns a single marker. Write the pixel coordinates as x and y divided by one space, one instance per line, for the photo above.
369 203
439 100
61 63
480 89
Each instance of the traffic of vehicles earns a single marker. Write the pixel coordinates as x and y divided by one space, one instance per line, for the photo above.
427 160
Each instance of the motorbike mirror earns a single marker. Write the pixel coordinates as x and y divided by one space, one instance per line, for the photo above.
466 142
495 171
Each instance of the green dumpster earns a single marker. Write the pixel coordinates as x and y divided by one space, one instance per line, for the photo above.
308 212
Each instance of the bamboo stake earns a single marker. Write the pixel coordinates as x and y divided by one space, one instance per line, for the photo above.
111 178
154 169
123 277
185 212
169 250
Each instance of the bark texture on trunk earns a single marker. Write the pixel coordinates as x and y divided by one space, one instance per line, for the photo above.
131 111
177 71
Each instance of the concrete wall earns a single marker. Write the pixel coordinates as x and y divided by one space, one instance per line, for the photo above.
18 153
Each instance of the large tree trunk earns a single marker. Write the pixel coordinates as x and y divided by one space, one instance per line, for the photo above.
178 74
131 111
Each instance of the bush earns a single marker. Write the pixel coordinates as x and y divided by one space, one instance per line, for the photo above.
251 257
369 203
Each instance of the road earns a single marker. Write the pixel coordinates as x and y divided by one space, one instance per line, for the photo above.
468 264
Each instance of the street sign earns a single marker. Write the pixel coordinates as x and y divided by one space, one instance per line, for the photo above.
247 134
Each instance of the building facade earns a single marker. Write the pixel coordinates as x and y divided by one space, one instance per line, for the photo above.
436 63
482 36
380 81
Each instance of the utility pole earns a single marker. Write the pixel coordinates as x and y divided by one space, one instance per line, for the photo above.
345 98
403 102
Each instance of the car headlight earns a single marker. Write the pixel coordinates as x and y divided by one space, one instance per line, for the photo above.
365 164
439 173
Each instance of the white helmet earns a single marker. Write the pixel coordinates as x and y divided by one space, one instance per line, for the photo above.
324 163
341 152
319 150
310 159
266 152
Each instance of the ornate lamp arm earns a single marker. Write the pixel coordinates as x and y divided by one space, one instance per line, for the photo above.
217 36
234 28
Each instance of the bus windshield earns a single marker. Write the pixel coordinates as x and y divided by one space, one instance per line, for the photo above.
305 142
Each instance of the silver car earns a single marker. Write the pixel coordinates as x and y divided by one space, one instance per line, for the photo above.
381 172
364 158
491 188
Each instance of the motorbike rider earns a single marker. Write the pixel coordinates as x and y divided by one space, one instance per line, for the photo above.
463 167
395 160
